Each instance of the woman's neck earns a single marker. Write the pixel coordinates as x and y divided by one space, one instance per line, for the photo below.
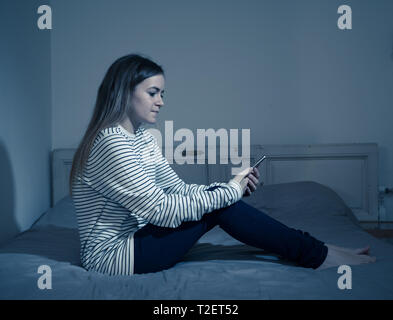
129 125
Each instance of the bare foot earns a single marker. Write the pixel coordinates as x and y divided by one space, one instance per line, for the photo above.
339 256
365 250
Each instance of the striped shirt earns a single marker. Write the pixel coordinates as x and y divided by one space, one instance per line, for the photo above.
126 184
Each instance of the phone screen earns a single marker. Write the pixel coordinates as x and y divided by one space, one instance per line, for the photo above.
259 162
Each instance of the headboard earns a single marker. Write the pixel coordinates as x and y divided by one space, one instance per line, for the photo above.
351 170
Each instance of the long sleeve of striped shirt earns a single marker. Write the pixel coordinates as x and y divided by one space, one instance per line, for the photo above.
119 173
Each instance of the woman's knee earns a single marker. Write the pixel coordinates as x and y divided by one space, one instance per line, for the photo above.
239 207
232 211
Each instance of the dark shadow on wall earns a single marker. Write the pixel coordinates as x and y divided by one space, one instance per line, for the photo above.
8 225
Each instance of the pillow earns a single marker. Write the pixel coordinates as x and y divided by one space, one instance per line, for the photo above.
63 214
303 200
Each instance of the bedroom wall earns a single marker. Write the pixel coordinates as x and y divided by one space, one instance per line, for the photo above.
281 68
25 115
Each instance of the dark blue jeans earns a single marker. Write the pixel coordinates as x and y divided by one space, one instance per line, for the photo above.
158 248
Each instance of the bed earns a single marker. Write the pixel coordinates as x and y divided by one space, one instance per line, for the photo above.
331 207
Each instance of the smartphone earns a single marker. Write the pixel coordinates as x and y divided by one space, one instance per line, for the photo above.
259 162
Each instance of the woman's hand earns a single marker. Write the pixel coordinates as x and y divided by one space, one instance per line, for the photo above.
252 183
248 180
241 178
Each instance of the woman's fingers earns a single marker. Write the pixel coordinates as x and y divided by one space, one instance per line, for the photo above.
254 179
241 176
247 192
248 179
252 187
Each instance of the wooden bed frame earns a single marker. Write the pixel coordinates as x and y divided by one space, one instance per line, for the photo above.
351 170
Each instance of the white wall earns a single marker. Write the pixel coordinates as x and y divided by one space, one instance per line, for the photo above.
25 117
281 68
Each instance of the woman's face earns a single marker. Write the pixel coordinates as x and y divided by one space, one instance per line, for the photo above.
146 100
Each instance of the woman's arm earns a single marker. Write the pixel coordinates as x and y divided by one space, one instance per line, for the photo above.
115 172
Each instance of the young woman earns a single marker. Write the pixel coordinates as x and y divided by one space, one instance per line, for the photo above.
134 213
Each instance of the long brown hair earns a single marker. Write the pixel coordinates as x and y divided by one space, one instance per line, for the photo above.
112 101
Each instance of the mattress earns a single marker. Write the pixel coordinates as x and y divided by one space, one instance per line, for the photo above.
217 267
